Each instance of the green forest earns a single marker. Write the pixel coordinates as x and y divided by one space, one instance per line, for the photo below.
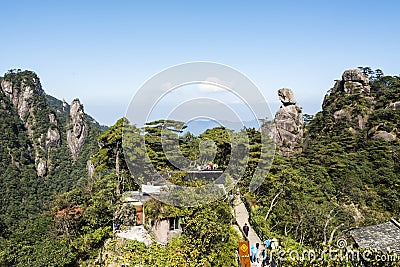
341 177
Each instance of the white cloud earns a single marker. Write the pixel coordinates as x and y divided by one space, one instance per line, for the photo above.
213 84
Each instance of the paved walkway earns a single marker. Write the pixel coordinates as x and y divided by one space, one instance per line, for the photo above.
242 217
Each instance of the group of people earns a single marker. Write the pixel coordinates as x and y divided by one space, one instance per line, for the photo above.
209 167
263 258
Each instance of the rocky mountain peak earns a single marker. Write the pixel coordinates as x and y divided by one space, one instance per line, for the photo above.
347 96
353 82
24 90
47 122
20 91
77 128
352 107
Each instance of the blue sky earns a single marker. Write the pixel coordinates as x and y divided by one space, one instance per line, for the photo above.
102 51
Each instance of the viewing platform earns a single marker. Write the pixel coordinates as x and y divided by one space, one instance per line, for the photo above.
205 171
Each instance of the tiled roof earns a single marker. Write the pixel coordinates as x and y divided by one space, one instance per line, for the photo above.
381 236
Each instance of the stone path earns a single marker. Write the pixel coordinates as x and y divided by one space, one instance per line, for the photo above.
242 217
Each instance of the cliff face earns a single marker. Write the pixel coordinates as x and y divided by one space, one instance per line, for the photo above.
21 94
47 127
77 129
26 94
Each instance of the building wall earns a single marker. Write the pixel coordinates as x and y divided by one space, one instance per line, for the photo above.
162 233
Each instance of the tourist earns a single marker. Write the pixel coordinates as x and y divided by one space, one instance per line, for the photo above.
246 230
264 257
273 262
238 257
275 244
254 252
267 243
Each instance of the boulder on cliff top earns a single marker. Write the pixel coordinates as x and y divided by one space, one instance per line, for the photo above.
286 96
355 75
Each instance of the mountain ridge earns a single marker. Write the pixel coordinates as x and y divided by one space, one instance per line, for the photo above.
36 132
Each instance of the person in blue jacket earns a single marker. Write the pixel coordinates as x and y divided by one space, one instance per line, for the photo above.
254 252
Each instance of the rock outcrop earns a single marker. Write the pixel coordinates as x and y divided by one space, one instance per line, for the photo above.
286 96
394 105
52 119
288 123
90 168
53 137
352 105
24 93
21 95
46 121
384 136
77 128
41 167
353 82
378 132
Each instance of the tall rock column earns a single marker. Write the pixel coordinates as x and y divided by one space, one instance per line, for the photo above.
289 123
77 128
